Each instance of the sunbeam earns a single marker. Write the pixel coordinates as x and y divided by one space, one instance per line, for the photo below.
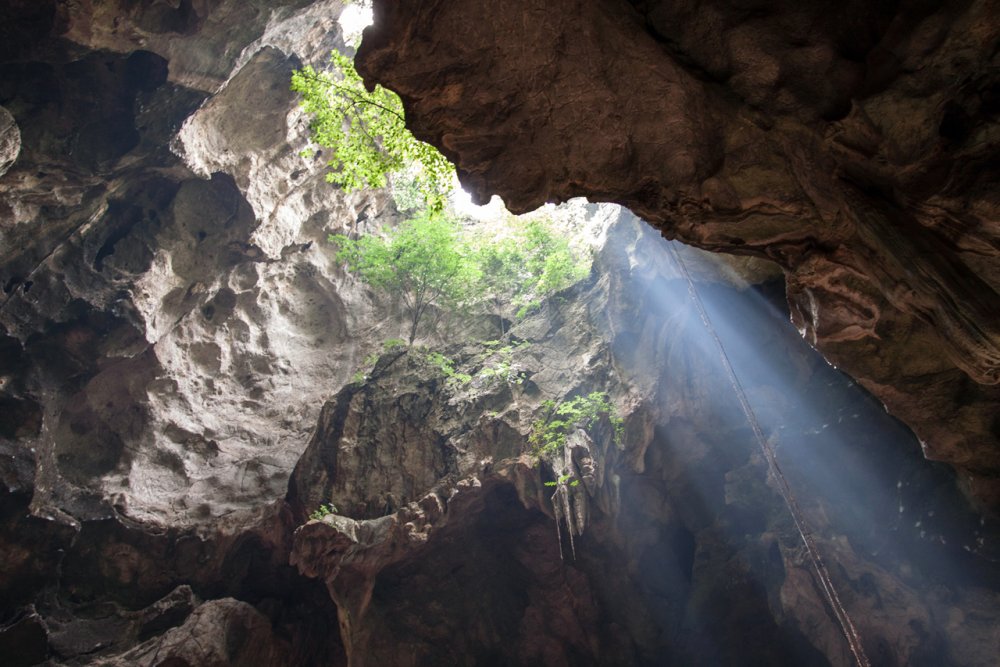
854 474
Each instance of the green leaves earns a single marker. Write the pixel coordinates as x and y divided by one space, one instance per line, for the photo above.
429 260
549 433
447 367
367 133
549 260
423 261
527 264
323 510
497 363
564 479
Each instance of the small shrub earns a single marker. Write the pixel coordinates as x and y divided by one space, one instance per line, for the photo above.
391 344
361 374
563 479
527 309
447 367
497 361
323 510
549 433
499 364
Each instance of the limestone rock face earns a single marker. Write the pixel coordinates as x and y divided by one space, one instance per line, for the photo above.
677 537
855 146
177 347
171 320
189 293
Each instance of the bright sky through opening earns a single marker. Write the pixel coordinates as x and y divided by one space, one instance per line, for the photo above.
353 20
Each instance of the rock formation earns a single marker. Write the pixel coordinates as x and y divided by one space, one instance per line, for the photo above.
854 145
678 528
171 321
177 343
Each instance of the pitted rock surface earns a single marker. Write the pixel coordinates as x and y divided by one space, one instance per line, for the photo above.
177 344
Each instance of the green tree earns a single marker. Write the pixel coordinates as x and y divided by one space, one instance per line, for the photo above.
501 270
521 268
367 133
549 259
424 261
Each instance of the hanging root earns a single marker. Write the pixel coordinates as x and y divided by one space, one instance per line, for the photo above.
563 512
558 512
822 574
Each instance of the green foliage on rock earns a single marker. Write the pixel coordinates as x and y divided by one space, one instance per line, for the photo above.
549 432
366 131
522 267
423 261
323 510
389 345
447 366
564 479
497 363
430 260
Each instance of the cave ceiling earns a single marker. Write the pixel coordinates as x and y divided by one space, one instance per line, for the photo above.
853 145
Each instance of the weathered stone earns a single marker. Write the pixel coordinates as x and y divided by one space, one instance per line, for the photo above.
703 549
10 140
148 284
219 633
139 395
23 641
850 146
176 337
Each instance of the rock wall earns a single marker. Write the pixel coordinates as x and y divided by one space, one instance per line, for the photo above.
171 320
177 343
853 145
166 250
672 547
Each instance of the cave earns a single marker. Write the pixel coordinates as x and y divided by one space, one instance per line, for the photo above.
215 454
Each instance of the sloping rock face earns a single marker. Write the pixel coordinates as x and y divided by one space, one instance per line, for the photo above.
855 145
676 547
171 320
165 264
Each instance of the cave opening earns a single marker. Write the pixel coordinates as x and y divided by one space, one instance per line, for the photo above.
223 442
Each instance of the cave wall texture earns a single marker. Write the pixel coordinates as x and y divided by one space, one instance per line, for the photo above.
688 555
853 144
171 322
177 341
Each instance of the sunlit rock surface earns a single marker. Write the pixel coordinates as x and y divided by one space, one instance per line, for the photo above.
687 554
853 144
165 263
170 323
177 347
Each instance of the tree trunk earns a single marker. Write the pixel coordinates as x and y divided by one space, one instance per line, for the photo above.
413 327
